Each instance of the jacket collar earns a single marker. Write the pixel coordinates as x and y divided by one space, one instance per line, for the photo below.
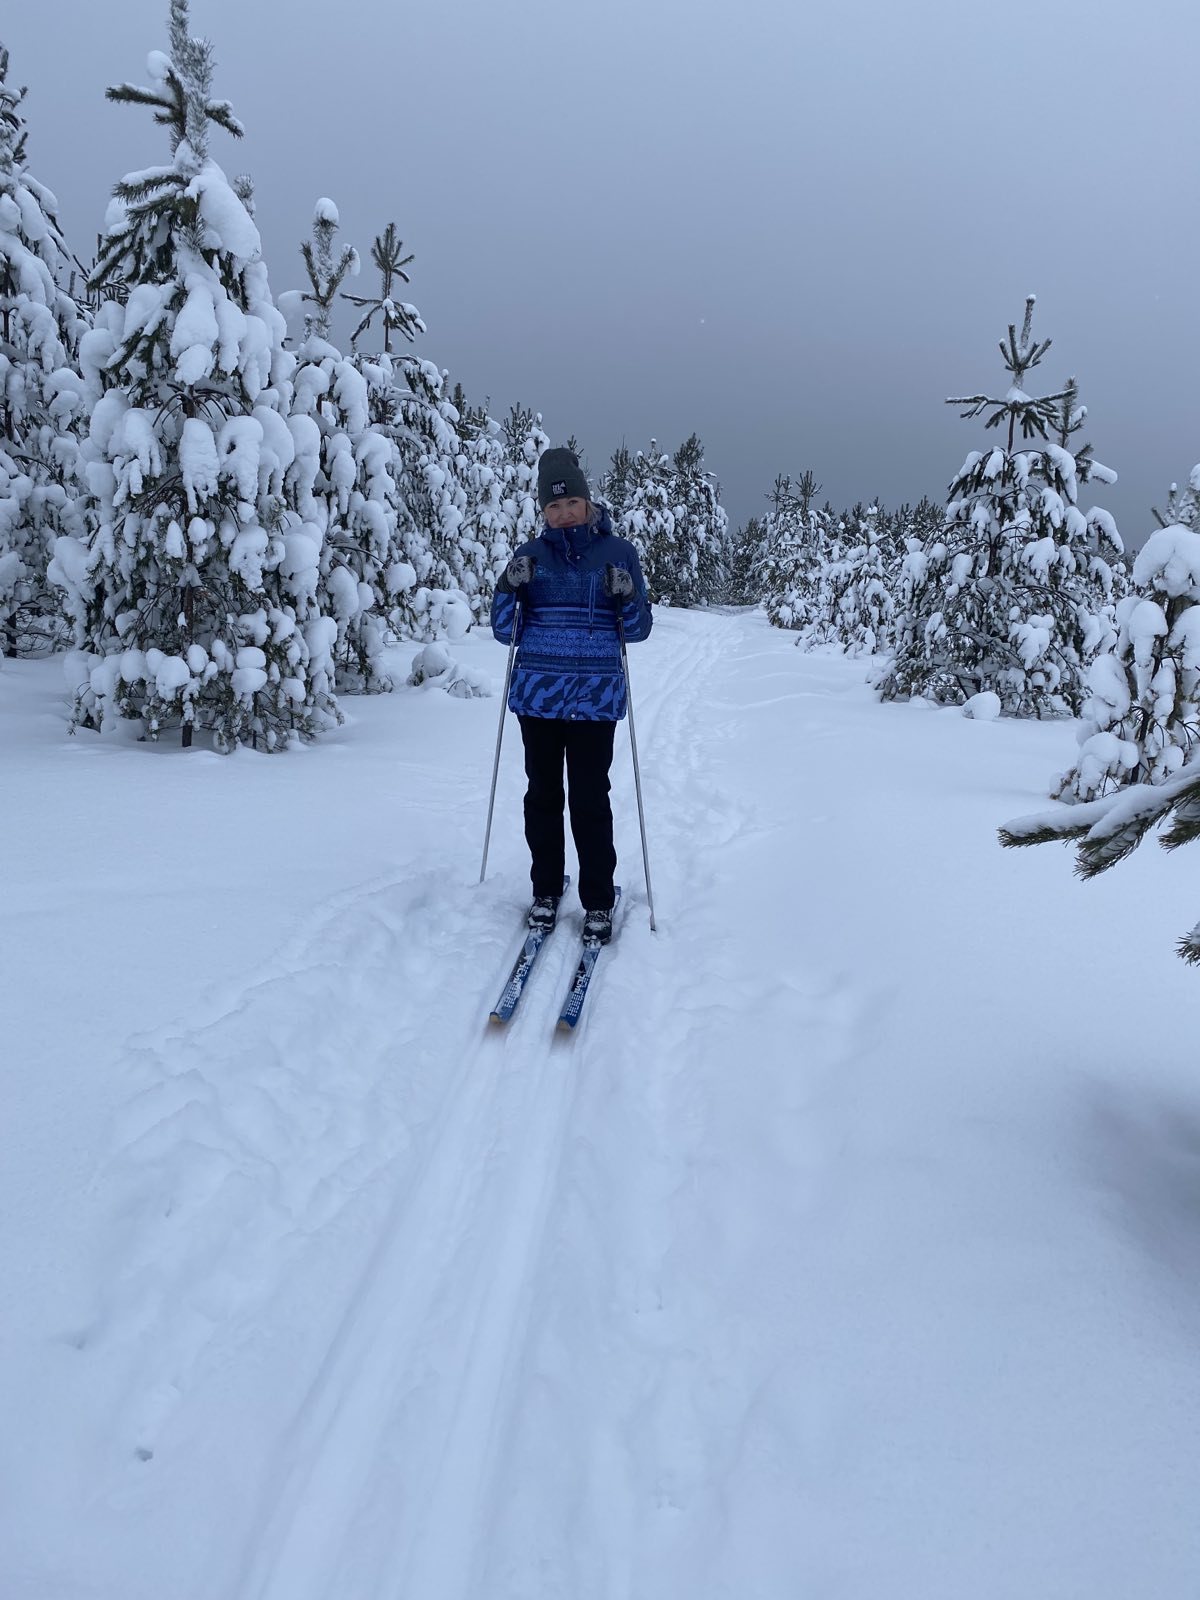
557 536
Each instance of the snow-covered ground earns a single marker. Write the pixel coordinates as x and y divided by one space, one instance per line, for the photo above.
851 1250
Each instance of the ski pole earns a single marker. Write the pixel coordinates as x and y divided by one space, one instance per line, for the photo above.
512 649
637 775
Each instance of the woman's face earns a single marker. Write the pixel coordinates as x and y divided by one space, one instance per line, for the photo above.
566 513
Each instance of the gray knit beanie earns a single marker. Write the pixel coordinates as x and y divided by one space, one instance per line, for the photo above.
560 477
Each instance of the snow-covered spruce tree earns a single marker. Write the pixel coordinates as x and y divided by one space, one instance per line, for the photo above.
896 529
478 503
650 524
748 550
439 581
716 565
327 270
914 559
432 560
922 521
195 600
797 548
396 317
457 521
352 502
701 528
1110 828
616 486
916 587
488 521
826 575
457 586
854 603
472 418
526 440
783 569
434 576
1018 601
1141 722
1183 505
41 393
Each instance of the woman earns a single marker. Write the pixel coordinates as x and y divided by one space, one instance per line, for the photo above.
564 592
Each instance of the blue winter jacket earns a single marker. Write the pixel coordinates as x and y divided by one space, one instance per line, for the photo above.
568 661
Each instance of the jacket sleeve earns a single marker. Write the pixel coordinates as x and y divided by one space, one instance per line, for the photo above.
636 615
504 615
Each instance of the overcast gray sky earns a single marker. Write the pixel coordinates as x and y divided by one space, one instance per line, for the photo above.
791 227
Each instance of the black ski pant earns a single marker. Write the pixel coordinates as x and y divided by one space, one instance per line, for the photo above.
587 750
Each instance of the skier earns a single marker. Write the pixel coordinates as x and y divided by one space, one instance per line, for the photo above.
564 592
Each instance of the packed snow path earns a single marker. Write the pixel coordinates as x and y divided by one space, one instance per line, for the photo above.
848 1250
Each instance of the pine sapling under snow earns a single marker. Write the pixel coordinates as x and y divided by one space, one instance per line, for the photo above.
1183 505
452 532
196 600
748 552
1141 722
700 553
650 525
616 487
417 592
673 516
41 394
489 521
854 605
1016 597
1110 828
796 549
527 441
449 563
446 569
352 503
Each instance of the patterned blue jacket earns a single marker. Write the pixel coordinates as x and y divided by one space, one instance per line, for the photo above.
568 661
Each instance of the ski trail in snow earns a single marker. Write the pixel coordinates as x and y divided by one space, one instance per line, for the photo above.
717 1298
443 1555
322 1107
625 1463
648 1018
433 1345
441 1315
684 1338
379 1346
276 1119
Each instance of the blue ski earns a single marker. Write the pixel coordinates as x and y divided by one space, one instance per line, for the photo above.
522 967
573 1005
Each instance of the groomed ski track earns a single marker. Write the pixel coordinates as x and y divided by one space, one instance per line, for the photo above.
435 1152
447 1301
846 1251
446 1304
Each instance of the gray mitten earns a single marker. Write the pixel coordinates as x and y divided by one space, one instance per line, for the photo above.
519 571
618 584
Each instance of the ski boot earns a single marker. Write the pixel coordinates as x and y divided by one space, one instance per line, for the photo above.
543 913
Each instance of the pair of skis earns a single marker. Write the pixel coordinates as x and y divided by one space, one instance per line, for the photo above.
572 1007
